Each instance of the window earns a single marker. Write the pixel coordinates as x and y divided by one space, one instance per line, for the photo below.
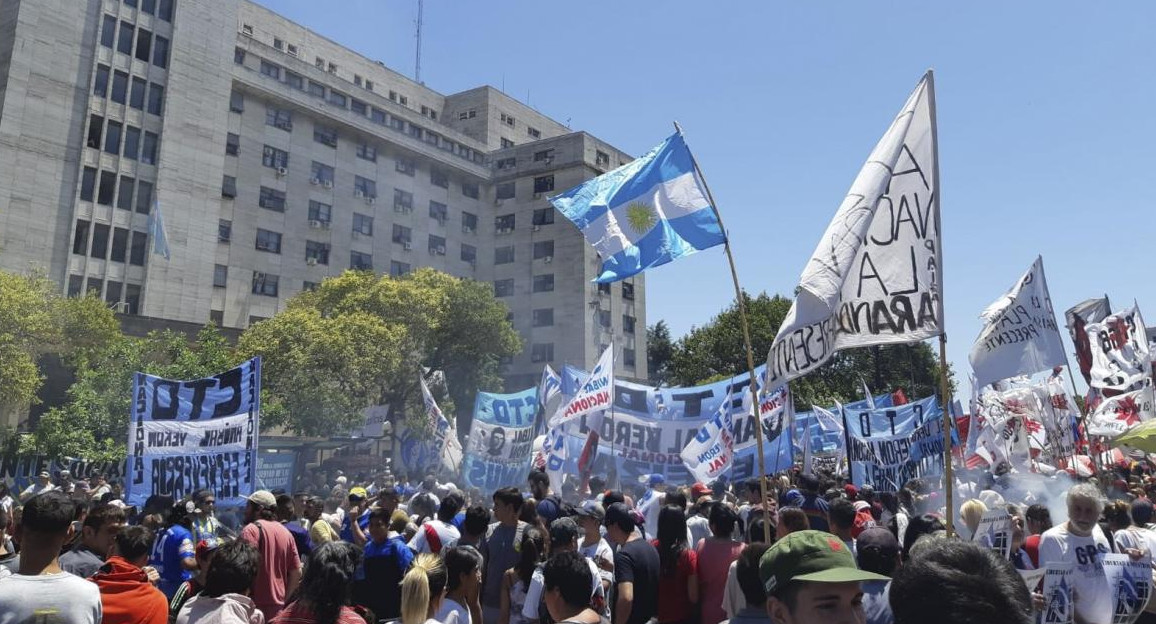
112 137
544 184
119 245
316 89
337 99
398 269
294 80
232 144
220 275
322 174
369 85
165 10
272 199
359 107
319 62
275 158
100 82
278 44
364 187
124 193
437 245
544 249
542 352
156 99
107 188
367 152
144 197
87 184
544 155
238 56
602 159
508 120
80 238
359 261
132 298
604 318
439 178
439 212
357 79
148 6
131 142
504 255
604 289
402 201
236 102
112 292
627 291
108 31
119 87
325 136
469 254
507 143
265 284
544 283
470 189
397 124
469 222
136 250
504 288
405 165
224 230
95 127
543 216
320 212
161 52
99 240
362 224
393 96
268 241
316 252
279 118
415 131
628 323
270 70
229 187
332 68
124 42
533 132
144 40
504 224
402 235
505 190
136 97
75 285
543 317
148 152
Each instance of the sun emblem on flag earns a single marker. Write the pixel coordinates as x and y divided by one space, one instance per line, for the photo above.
640 217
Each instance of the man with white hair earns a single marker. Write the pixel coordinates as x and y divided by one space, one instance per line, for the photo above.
1080 541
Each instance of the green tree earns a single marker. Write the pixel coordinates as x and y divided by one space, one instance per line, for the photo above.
659 350
362 339
716 351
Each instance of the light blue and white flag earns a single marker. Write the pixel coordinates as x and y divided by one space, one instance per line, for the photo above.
156 225
645 213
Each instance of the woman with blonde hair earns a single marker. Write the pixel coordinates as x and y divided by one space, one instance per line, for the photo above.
422 590
971 512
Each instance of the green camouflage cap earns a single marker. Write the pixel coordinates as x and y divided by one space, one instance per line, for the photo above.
812 556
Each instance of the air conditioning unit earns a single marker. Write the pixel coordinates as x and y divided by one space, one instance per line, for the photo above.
356 234
314 181
548 259
327 184
311 261
537 228
441 250
315 224
371 200
121 307
407 245
467 229
537 196
358 193
281 171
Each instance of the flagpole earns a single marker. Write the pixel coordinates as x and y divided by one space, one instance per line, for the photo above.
746 343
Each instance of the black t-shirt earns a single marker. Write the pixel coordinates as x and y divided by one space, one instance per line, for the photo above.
637 562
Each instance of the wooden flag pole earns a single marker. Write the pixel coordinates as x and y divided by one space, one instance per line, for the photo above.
746 343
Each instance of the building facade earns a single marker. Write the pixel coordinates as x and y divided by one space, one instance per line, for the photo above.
278 157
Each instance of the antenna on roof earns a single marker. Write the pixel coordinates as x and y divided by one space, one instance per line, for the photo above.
417 56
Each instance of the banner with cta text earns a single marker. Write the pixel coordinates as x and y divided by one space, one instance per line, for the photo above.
198 434
501 440
892 445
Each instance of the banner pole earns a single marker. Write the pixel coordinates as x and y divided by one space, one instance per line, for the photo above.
746 343
948 472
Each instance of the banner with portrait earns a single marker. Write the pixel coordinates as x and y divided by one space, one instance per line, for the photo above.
501 442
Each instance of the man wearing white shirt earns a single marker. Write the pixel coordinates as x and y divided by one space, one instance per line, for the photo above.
436 535
651 502
1080 541
42 484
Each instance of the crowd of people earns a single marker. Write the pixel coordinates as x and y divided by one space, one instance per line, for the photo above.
368 550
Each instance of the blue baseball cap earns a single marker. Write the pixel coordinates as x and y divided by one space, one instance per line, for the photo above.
652 479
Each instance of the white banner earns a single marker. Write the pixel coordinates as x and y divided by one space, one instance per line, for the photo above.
1058 605
1130 583
1115 415
712 451
875 276
1058 418
1120 356
595 395
1021 336
176 436
995 532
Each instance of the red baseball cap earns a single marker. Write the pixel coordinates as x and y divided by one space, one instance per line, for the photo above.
699 489
851 490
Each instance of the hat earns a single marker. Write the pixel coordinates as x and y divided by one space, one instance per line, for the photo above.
358 492
564 531
652 480
119 504
591 509
861 505
44 474
699 489
878 539
1142 511
263 498
793 498
811 556
65 473
206 546
850 490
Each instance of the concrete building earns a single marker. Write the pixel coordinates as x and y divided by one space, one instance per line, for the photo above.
279 157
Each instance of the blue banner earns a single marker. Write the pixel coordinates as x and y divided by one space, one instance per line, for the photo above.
501 440
891 445
186 436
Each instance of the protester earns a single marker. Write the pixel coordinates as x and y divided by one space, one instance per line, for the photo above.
592 545
841 518
439 533
126 595
9 560
173 556
565 577
549 503
195 585
1080 542
498 549
811 578
228 585
698 523
323 597
564 534
422 590
714 556
516 580
678 578
651 501
356 519
637 568
285 515
1038 519
42 484
98 533
754 608
205 525
878 552
40 590
464 573
971 512
280 568
813 505
321 531
474 525
917 527
959 583
377 584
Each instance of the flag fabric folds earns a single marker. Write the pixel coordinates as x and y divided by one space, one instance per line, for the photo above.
711 453
1077 318
595 395
645 213
156 227
874 277
445 434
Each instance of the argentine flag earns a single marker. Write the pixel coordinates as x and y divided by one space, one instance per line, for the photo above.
644 213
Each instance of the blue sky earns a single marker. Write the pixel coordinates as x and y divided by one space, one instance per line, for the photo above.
1046 125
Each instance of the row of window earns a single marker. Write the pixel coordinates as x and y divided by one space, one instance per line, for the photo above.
544 352
269 285
113 291
163 9
138 144
133 41
140 95
540 283
93 239
108 189
328 66
627 290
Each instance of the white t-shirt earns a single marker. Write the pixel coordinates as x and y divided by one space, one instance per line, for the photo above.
447 533
733 599
58 598
600 552
1092 596
451 612
538 585
649 507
